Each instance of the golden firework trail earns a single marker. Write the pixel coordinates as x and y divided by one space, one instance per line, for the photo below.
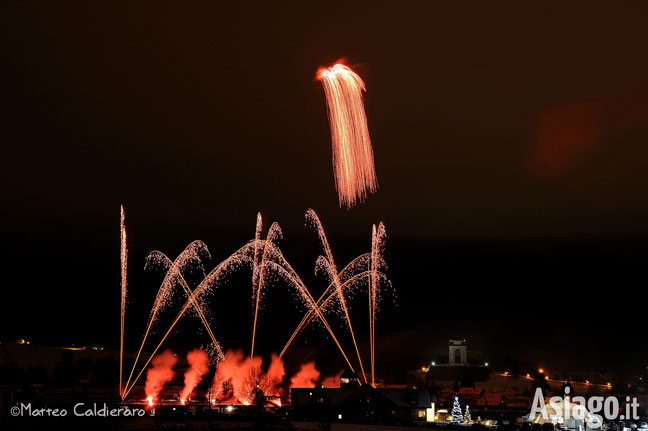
377 262
258 270
256 285
332 269
353 162
123 256
345 282
323 301
283 269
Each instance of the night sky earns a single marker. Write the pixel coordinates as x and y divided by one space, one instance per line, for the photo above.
510 145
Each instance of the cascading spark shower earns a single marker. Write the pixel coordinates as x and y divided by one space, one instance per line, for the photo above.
353 161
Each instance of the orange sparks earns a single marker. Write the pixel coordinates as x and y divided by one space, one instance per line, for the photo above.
353 162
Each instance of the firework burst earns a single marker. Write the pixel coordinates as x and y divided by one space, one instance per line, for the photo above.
353 162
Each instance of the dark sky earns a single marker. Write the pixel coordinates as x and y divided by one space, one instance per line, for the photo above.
509 140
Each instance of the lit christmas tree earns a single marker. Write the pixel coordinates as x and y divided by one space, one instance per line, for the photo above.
457 416
466 417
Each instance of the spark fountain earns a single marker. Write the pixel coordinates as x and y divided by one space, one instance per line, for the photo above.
241 379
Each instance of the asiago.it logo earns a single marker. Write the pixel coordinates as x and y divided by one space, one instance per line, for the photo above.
591 411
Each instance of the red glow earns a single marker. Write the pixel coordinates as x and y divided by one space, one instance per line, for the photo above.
238 378
332 381
320 73
160 373
306 377
198 367
565 136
